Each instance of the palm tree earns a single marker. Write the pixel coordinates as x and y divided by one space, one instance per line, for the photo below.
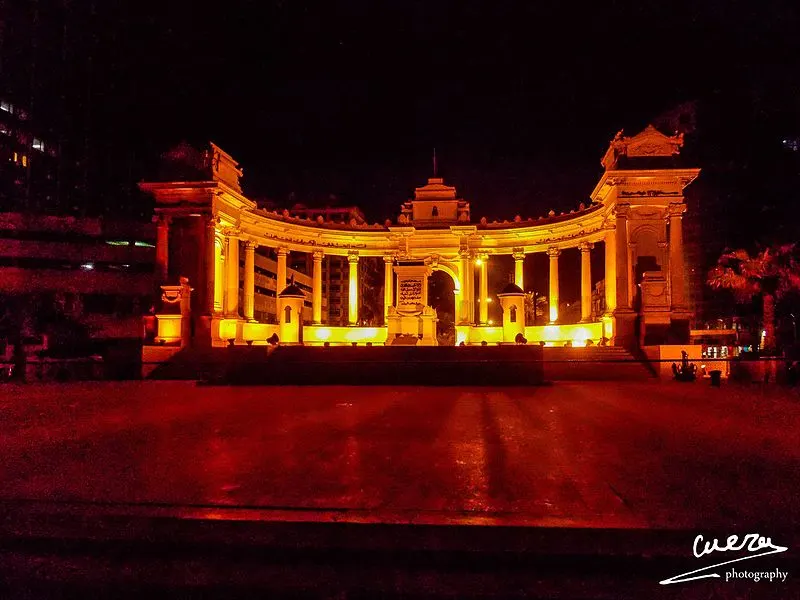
771 273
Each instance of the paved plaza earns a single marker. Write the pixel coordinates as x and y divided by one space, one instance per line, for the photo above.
633 455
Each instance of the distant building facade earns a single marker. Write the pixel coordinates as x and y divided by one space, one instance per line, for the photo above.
93 273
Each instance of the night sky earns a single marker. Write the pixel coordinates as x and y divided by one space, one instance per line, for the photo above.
350 98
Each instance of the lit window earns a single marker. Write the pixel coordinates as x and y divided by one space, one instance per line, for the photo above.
118 242
87 266
24 160
38 144
4 130
6 106
143 244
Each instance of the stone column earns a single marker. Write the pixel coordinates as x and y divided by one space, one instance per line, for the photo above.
280 277
519 268
352 296
388 285
316 289
162 247
483 314
232 277
249 280
280 283
676 263
553 253
219 275
586 281
611 269
623 296
466 293
211 263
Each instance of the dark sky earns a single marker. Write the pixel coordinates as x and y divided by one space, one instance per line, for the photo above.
350 98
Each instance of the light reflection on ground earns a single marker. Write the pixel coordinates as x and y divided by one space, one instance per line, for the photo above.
597 455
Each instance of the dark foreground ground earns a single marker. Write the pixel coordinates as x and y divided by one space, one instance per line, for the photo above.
577 490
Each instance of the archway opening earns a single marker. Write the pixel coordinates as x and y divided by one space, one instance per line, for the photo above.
441 296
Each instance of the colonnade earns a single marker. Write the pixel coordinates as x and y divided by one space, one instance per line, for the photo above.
222 249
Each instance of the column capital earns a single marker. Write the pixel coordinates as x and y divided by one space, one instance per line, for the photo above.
518 253
388 259
553 252
676 209
212 221
622 210
465 253
250 244
231 232
352 256
484 256
162 219
318 255
282 251
585 246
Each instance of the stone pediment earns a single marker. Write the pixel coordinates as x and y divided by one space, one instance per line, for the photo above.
646 144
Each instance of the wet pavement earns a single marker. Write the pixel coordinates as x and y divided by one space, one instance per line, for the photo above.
611 455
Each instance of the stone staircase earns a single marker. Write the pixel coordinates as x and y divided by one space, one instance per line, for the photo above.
380 365
599 363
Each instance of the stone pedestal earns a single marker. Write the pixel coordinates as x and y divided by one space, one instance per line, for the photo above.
174 320
420 324
412 315
655 309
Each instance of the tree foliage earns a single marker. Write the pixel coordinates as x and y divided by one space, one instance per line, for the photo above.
769 274
774 271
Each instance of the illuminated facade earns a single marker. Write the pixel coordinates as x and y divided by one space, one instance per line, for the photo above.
635 218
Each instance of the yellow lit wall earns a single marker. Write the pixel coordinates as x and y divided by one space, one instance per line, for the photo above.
227 329
490 335
169 328
558 335
258 332
319 334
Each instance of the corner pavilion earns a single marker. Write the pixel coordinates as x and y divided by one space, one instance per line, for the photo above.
206 225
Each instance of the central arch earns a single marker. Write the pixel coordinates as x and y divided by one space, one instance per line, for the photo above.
442 297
